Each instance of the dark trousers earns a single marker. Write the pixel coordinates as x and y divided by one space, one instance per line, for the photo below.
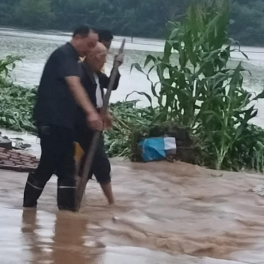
57 146
101 167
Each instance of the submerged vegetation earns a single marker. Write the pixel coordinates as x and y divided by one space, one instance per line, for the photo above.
202 93
16 102
197 90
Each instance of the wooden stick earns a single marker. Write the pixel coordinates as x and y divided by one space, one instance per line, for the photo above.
93 147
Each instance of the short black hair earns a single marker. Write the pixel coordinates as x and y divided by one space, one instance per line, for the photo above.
105 35
82 30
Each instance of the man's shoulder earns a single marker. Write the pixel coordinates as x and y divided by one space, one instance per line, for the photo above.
59 50
63 52
56 55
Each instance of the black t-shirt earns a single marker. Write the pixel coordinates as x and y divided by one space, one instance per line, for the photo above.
55 102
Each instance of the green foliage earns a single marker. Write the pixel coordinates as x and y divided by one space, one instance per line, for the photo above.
7 65
128 119
126 17
248 21
16 102
16 107
34 14
200 91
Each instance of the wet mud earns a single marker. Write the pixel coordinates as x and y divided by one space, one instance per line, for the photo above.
164 213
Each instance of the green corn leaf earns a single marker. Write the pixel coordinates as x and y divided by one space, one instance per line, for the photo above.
141 93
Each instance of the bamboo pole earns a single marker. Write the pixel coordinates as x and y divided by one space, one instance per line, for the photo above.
80 190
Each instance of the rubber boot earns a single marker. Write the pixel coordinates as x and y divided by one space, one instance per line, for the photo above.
33 190
66 195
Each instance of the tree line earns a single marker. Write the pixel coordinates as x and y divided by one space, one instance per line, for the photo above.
127 17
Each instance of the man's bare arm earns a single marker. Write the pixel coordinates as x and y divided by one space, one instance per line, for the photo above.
84 102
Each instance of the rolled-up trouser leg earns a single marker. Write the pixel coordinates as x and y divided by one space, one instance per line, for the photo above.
101 167
32 191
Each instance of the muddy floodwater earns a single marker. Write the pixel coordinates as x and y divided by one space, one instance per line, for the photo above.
165 213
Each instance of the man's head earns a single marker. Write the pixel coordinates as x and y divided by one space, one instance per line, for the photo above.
105 37
84 39
96 57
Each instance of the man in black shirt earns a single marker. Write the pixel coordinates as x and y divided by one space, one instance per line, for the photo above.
59 92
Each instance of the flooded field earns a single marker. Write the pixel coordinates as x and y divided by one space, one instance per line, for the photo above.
165 214
37 46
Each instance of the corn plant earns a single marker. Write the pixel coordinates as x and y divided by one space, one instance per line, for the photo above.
198 89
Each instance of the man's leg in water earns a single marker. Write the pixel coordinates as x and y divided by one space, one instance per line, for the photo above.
66 177
101 167
107 190
37 181
55 142
102 171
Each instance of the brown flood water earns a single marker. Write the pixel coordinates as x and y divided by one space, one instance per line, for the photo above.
165 213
